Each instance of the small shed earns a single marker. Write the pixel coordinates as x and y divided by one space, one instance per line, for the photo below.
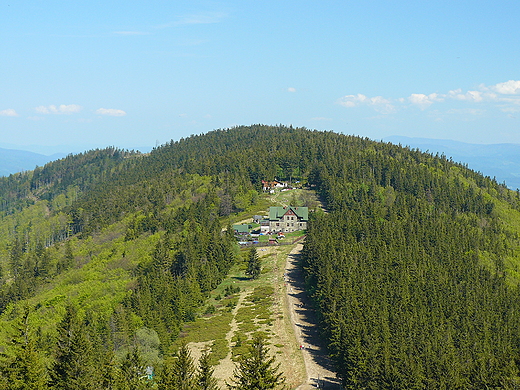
242 229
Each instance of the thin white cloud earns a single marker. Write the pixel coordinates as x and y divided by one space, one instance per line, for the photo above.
378 100
352 100
425 101
511 87
8 112
510 105
505 96
471 96
420 100
382 105
379 103
110 112
61 109
477 96
291 89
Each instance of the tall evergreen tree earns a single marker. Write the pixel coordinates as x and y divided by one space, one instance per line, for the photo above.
204 376
178 372
107 374
24 368
132 375
254 266
73 368
103 356
257 370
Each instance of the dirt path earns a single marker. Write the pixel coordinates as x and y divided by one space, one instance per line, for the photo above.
293 324
280 330
303 316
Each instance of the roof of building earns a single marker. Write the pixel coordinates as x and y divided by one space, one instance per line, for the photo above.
242 228
276 213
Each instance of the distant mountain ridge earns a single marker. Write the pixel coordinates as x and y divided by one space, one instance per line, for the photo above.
13 161
501 161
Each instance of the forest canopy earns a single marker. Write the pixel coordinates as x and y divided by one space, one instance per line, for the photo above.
414 267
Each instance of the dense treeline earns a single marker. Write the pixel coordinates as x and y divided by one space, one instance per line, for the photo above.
33 204
112 345
411 268
79 171
84 360
97 188
408 273
184 268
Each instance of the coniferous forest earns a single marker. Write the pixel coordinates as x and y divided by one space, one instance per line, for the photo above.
414 266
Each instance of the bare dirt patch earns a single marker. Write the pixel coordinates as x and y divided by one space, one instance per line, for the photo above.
197 349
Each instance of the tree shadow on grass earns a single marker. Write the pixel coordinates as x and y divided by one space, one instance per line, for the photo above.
241 278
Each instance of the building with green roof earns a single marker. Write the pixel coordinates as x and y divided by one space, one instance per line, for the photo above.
288 219
243 229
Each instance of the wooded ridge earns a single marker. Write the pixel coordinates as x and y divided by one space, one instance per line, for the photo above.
414 268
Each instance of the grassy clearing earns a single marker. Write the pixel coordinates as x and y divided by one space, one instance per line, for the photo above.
212 328
241 307
253 316
215 322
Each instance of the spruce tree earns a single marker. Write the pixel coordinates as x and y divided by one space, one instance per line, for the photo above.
178 372
257 370
24 369
204 376
107 374
73 368
103 356
253 264
132 372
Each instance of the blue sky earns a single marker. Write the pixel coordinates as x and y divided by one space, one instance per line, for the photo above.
82 74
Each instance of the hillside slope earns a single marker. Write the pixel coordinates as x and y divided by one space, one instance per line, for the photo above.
414 268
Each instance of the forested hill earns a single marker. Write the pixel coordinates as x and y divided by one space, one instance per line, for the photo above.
414 268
